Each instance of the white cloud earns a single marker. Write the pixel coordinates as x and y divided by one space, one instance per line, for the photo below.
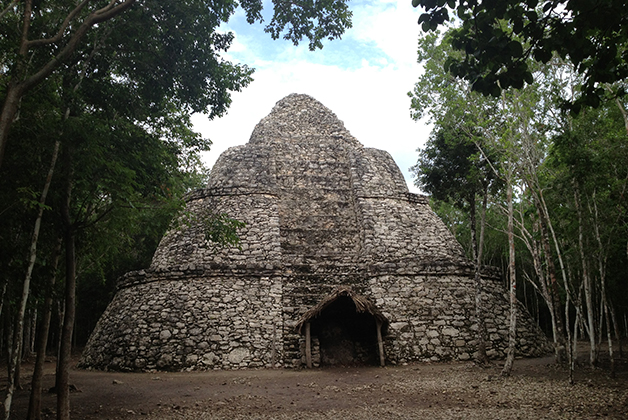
369 95
391 25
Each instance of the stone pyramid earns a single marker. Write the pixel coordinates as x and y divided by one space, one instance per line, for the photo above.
333 241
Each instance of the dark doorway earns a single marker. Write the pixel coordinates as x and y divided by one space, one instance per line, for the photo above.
346 337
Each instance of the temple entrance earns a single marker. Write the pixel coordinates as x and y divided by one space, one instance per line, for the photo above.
346 337
349 330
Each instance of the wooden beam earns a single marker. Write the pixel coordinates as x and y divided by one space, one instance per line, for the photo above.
380 343
308 346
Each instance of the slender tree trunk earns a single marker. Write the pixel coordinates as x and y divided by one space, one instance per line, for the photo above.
19 324
616 329
26 348
32 333
535 245
479 306
2 294
574 346
560 349
34 404
60 314
601 323
512 330
559 256
525 298
624 114
10 325
65 347
588 292
570 355
608 332
560 345
545 287
602 270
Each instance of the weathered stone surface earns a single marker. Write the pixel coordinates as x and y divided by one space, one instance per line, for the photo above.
321 211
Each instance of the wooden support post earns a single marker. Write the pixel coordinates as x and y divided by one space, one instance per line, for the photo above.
308 346
380 343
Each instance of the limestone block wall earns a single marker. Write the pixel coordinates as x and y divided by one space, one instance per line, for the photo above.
193 320
190 322
374 173
260 238
301 120
317 218
244 170
432 317
397 230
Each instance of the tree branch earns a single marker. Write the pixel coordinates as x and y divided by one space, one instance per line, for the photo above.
64 25
5 11
69 48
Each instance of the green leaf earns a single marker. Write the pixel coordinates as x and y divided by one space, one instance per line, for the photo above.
515 48
494 90
542 55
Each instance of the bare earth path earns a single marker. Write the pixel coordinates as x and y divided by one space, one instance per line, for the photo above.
536 390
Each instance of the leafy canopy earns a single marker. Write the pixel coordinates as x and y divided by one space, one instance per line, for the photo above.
160 49
452 169
498 37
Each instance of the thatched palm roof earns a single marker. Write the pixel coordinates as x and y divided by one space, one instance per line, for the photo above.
362 305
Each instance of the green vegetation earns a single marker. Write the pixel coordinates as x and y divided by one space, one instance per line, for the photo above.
560 178
498 40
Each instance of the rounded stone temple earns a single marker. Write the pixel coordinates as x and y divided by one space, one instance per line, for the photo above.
338 265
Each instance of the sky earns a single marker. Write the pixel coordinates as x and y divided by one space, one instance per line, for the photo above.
363 78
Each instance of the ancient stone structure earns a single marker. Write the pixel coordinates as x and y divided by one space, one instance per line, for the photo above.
334 244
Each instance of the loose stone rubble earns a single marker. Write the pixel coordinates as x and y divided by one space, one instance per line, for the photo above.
321 212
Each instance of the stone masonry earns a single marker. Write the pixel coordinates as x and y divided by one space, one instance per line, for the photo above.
321 212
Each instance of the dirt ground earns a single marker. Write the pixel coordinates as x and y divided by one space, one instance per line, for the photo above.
537 389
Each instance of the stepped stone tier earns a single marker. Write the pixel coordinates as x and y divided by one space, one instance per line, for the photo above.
339 264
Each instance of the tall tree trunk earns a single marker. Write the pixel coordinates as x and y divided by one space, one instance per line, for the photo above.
9 326
574 346
26 348
19 323
561 348
65 347
545 272
479 306
545 287
34 404
2 294
29 348
570 355
602 271
512 330
588 290
616 329
608 332
560 345
559 255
